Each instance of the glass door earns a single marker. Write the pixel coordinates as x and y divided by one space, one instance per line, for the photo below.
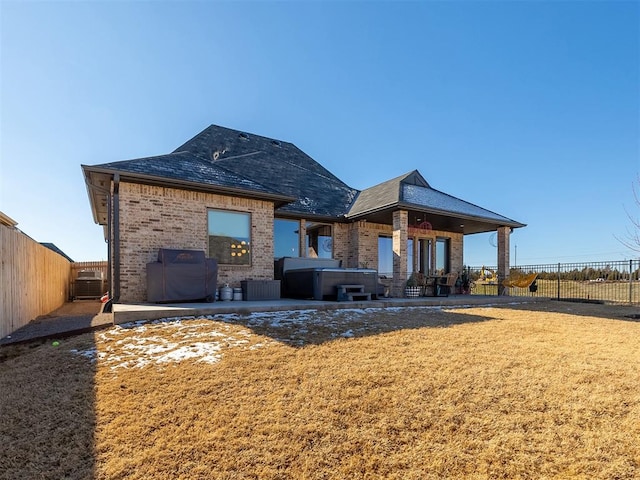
442 256
424 256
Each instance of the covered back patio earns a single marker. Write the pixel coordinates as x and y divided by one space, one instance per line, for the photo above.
420 229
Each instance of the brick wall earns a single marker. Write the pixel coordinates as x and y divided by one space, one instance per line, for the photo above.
400 236
356 244
158 217
363 243
360 242
457 244
341 243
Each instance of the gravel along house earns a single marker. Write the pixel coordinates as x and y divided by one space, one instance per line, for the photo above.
247 200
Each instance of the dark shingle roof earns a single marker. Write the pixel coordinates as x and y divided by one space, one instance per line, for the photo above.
230 159
234 162
412 191
277 165
187 167
380 196
438 201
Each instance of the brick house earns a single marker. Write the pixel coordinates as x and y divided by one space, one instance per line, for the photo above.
247 199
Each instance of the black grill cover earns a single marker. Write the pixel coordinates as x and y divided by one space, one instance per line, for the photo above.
181 276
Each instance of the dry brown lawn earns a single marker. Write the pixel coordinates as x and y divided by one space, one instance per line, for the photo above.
542 390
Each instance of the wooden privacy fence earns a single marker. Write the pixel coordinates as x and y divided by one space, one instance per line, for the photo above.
33 280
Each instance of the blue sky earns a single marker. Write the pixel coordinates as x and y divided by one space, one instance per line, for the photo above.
530 109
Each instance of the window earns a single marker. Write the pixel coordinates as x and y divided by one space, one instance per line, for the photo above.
442 256
286 238
319 240
385 256
230 237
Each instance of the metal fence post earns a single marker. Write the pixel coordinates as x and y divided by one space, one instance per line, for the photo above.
630 281
558 281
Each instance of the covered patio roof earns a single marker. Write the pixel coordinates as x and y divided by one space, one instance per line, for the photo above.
413 193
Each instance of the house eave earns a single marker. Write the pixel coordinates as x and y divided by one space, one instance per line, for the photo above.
310 216
277 199
361 215
95 192
464 223
502 222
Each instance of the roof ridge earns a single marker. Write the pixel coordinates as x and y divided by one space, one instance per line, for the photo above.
399 179
235 131
232 157
302 167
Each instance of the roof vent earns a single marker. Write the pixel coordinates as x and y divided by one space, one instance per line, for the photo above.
276 143
216 155
243 136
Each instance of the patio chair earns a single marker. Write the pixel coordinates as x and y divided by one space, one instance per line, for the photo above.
443 287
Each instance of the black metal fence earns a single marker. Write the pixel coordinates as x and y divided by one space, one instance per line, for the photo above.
616 281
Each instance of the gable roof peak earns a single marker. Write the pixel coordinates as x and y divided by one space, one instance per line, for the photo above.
415 178
215 142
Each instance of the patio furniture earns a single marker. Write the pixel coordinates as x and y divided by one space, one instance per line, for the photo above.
444 284
260 289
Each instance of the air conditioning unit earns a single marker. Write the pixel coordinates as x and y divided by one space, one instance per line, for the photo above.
89 274
89 284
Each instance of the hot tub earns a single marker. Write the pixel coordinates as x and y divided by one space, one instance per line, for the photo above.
317 278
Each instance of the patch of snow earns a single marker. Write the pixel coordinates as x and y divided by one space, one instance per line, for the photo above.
306 202
205 339
90 353
163 341
205 352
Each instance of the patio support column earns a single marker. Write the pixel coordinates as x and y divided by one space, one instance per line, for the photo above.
400 236
358 243
302 238
503 257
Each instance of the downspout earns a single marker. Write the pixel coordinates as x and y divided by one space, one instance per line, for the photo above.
109 243
116 238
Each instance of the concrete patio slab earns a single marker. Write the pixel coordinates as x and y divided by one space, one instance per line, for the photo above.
124 313
85 316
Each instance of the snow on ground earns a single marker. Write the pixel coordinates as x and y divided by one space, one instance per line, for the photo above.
138 344
205 339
